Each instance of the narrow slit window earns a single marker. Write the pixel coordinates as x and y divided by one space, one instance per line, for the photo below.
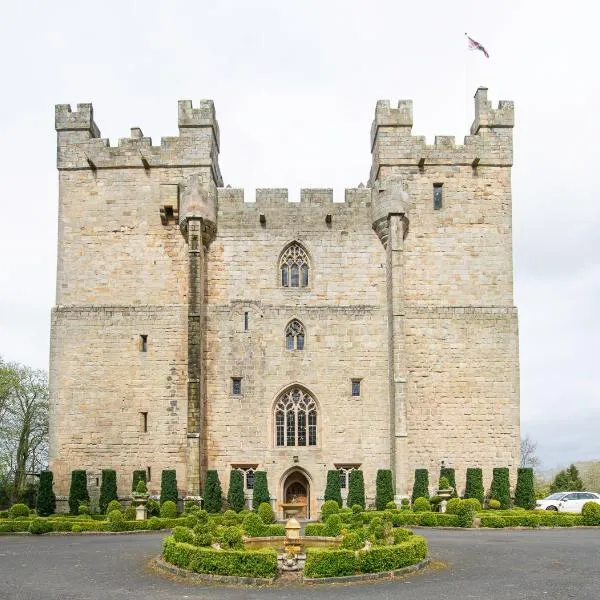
356 387
143 343
144 421
236 386
148 474
246 321
438 196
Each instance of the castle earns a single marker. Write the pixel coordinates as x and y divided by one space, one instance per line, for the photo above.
195 329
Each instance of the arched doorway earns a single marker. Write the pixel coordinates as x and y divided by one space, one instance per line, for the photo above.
296 489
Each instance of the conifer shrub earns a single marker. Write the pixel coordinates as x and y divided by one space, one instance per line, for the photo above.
108 488
168 486
450 475
384 488
421 485
524 492
235 493
213 495
474 485
333 490
168 510
500 489
78 493
19 510
137 475
45 504
266 514
330 507
113 505
356 489
260 492
421 505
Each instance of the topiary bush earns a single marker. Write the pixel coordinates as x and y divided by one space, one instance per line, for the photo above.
443 484
253 525
465 513
352 541
391 506
452 506
500 489
137 475
231 539
384 488
153 508
266 514
333 490
108 489
333 525
213 495
421 485
330 507
113 505
154 523
129 513
184 534
235 493
356 489
116 522
428 519
390 558
45 503
84 510
474 502
494 504
168 510
39 526
474 485
260 493
78 493
590 513
17 511
495 521
450 476
421 505
168 486
329 563
524 492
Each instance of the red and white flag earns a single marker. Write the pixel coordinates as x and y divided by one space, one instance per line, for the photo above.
474 45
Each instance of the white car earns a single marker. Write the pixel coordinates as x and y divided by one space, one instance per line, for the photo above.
567 501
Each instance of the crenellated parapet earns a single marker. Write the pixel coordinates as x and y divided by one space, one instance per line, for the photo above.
81 147
394 146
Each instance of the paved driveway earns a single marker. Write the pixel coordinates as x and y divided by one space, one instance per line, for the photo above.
479 564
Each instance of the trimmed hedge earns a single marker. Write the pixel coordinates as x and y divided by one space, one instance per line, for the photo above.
474 485
213 495
260 493
524 493
421 485
168 486
384 488
500 489
590 513
333 490
242 563
45 503
108 488
356 489
235 493
321 562
78 492
317 529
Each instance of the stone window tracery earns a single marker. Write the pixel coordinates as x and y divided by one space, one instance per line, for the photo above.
294 267
294 335
296 419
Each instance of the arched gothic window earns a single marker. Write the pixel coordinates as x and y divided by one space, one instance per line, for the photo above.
296 419
294 335
294 267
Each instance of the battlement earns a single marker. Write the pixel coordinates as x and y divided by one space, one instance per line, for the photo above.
486 116
190 118
80 120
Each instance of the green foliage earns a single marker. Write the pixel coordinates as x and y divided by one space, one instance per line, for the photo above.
78 493
76 528
332 489
266 514
83 509
444 484
390 558
384 488
260 493
495 521
213 495
330 507
141 487
108 488
329 563
242 563
524 493
235 493
465 513
113 505
352 541
116 521
446 520
429 519
474 485
500 489
184 534
17 511
494 504
452 506
168 486
356 489
229 518
391 506
421 485
231 539
401 535
45 504
315 529
154 523
450 475
333 525
253 525
153 508
168 510
137 475
39 526
567 480
421 505
129 513
591 513
474 502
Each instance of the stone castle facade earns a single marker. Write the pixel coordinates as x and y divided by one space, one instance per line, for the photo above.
196 330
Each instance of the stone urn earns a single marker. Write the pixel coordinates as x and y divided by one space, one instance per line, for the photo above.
140 498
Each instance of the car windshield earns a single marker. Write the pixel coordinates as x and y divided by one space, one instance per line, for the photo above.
555 496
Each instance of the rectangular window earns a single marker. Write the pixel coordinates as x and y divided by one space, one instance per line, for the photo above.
143 343
246 321
250 479
291 428
300 342
148 474
343 476
356 387
312 428
280 428
289 342
302 428
144 422
236 386
437 196
295 276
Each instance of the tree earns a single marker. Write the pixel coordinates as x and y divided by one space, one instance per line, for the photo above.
567 480
524 492
23 424
474 485
260 493
500 489
46 499
421 485
528 453
168 486
235 493
356 489
213 495
108 488
384 489
590 475
78 493
332 489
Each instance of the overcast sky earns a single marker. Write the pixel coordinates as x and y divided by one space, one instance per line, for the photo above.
295 85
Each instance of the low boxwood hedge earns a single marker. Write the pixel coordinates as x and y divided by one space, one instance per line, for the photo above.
242 563
315 529
321 562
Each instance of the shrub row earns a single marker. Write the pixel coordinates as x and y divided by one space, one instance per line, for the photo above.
337 563
242 563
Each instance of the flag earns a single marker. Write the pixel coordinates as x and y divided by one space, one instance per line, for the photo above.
474 45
